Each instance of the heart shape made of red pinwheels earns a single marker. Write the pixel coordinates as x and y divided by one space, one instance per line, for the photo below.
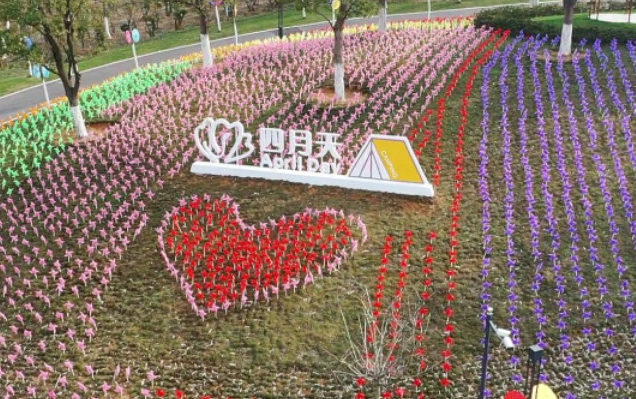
220 261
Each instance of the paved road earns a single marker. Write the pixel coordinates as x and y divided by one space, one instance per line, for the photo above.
12 104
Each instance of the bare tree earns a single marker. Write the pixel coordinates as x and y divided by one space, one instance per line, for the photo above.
382 350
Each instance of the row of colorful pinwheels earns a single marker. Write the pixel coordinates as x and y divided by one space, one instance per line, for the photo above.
561 227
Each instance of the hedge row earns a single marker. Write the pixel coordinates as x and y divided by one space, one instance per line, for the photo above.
518 19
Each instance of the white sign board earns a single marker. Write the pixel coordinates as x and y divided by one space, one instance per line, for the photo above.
385 163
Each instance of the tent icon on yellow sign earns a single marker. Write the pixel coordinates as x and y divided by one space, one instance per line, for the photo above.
387 158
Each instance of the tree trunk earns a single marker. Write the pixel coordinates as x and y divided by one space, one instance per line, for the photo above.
205 40
338 63
565 47
107 28
78 118
382 16
534 3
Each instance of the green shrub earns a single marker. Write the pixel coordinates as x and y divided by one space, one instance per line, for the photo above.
518 19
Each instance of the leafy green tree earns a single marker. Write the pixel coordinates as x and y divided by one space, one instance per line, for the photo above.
151 16
347 9
57 23
178 13
202 9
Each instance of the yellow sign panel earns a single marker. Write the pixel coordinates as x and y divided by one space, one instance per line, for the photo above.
542 391
397 161
335 4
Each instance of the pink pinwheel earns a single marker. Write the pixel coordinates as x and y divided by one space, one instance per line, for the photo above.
69 366
81 346
62 381
52 328
90 370
43 376
151 377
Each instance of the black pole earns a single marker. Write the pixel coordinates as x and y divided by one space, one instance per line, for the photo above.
535 358
280 19
529 376
484 359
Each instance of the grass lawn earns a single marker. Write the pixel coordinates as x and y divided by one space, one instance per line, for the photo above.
12 80
582 21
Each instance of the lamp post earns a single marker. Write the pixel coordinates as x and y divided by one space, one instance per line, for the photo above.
535 355
280 19
504 337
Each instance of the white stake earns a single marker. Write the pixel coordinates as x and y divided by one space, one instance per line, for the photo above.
135 55
218 20
30 68
235 28
46 91
107 28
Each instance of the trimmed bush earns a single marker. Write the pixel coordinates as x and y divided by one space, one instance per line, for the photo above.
518 19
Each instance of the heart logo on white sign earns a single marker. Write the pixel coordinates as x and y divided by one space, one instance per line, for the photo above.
216 146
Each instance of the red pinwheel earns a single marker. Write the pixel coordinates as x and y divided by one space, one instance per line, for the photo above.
514 395
225 261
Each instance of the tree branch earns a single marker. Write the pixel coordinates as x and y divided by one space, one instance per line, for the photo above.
348 8
325 17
